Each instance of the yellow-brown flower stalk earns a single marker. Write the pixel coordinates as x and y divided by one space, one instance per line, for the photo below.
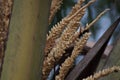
57 29
95 20
85 6
59 49
103 73
68 63
65 32
55 5
54 34
77 6
60 26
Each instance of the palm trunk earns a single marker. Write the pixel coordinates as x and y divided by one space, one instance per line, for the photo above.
26 40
